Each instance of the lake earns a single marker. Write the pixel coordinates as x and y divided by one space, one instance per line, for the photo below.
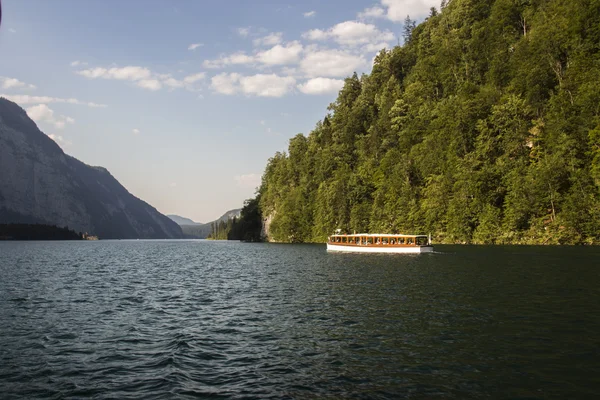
212 319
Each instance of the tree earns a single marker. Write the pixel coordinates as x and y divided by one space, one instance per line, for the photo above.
409 26
483 127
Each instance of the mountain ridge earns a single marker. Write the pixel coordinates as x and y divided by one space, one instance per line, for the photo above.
201 231
41 184
182 221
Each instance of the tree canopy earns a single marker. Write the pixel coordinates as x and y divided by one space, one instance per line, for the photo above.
483 127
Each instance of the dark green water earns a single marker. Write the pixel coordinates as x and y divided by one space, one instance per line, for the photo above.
197 319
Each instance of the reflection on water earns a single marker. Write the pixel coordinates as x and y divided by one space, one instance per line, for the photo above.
156 319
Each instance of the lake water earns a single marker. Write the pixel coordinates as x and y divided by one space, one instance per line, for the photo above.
194 319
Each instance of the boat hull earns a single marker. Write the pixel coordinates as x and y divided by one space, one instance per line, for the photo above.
380 249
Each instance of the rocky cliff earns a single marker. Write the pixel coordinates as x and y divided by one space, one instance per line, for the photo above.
39 183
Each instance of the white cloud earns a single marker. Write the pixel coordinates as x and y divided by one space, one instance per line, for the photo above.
130 73
291 71
238 58
40 112
248 181
60 140
172 82
352 34
150 84
142 77
261 85
270 40
315 34
194 46
195 77
24 99
243 32
267 85
331 63
288 53
281 55
14 83
225 83
321 86
135 131
372 12
12 30
78 63
397 10
173 184
309 14
43 113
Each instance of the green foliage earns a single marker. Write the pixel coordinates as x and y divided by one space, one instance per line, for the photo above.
220 230
248 227
37 232
484 127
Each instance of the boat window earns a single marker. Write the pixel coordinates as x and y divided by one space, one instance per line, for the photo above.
392 241
401 241
410 241
369 240
384 241
422 241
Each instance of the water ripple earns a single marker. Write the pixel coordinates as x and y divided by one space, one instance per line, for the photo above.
198 319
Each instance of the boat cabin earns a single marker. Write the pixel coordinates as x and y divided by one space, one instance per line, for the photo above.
379 240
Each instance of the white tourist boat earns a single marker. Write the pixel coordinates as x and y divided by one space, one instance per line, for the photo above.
379 243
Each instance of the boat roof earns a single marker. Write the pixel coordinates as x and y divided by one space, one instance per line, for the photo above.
378 235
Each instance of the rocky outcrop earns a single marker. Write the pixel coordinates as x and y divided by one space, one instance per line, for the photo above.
266 227
39 183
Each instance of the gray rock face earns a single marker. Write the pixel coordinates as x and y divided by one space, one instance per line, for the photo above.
39 183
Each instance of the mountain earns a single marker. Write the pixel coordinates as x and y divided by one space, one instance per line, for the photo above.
196 231
231 214
182 220
201 231
483 127
39 183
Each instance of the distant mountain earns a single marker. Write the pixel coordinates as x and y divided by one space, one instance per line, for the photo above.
201 231
196 231
39 183
182 220
229 215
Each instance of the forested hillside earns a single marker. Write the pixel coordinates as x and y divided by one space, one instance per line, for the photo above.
483 127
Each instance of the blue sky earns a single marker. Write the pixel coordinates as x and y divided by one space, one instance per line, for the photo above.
185 101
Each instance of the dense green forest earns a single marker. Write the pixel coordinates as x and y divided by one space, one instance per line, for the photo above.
483 127
37 232
248 227
220 230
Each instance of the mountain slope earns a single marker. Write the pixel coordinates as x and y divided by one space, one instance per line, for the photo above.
40 183
182 220
202 231
484 127
228 215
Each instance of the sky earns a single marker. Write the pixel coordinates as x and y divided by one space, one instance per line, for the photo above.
185 101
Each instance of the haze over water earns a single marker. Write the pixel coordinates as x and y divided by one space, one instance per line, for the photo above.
189 319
